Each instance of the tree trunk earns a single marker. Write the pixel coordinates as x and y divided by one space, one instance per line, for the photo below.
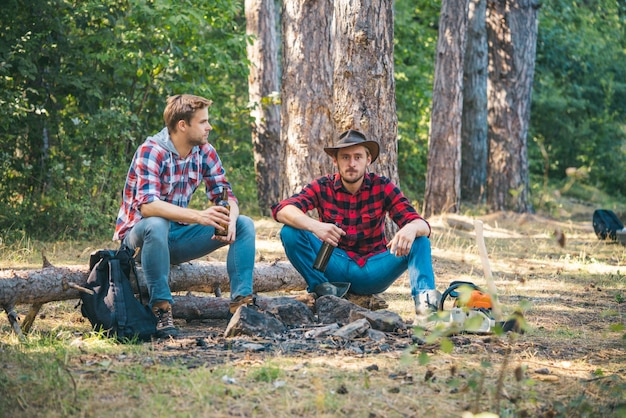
474 119
54 283
263 88
512 34
363 82
443 179
306 124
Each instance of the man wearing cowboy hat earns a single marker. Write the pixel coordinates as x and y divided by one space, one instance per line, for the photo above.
352 205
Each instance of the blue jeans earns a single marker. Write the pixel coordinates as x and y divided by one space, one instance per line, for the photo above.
163 243
380 271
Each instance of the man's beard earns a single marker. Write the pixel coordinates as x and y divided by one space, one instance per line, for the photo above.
350 181
197 141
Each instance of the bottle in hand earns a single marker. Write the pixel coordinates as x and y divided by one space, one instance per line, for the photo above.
223 202
323 255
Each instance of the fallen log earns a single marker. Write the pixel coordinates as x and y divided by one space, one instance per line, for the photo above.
190 307
61 283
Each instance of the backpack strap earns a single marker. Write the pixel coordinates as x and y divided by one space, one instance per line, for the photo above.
115 272
133 268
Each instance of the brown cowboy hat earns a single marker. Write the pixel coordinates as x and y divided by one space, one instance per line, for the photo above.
353 137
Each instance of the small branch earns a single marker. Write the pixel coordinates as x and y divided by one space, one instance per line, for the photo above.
46 262
80 288
30 317
491 286
500 381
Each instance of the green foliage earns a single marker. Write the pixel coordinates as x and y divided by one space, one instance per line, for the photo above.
578 111
83 83
415 39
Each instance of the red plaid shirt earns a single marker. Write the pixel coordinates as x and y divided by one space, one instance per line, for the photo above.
361 216
158 173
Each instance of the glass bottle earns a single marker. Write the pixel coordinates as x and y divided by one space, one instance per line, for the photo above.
223 202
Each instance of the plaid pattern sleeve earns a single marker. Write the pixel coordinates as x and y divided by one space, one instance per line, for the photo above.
157 173
141 187
213 174
361 215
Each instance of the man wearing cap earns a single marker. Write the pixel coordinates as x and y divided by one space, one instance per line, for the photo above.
352 204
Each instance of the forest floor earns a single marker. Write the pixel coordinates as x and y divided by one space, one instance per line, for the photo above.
570 361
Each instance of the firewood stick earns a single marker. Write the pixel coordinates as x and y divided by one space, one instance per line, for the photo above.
491 286
80 288
28 321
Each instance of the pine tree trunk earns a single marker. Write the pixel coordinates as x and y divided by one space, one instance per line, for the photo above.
512 34
443 180
364 86
263 88
474 119
306 93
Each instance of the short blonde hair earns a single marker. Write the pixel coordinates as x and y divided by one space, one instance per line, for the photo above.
182 107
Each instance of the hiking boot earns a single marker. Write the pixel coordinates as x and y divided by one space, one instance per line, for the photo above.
165 322
371 302
426 308
241 301
427 302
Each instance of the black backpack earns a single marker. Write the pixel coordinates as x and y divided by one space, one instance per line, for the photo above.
606 223
113 307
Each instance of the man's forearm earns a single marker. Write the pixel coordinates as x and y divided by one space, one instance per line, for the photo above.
294 217
168 211
422 228
234 209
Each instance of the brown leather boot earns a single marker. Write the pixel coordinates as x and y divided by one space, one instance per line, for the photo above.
165 322
241 301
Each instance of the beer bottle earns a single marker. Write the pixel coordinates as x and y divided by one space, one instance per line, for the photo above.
223 202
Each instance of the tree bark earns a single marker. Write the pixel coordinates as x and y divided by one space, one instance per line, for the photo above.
363 81
512 34
191 307
52 283
364 90
443 179
263 87
474 118
306 93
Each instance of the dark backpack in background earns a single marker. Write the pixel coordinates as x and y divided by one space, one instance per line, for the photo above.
606 223
113 307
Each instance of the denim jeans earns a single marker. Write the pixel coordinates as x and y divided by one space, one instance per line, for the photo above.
164 243
380 271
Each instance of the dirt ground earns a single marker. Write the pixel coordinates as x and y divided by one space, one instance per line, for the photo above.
575 290
572 297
